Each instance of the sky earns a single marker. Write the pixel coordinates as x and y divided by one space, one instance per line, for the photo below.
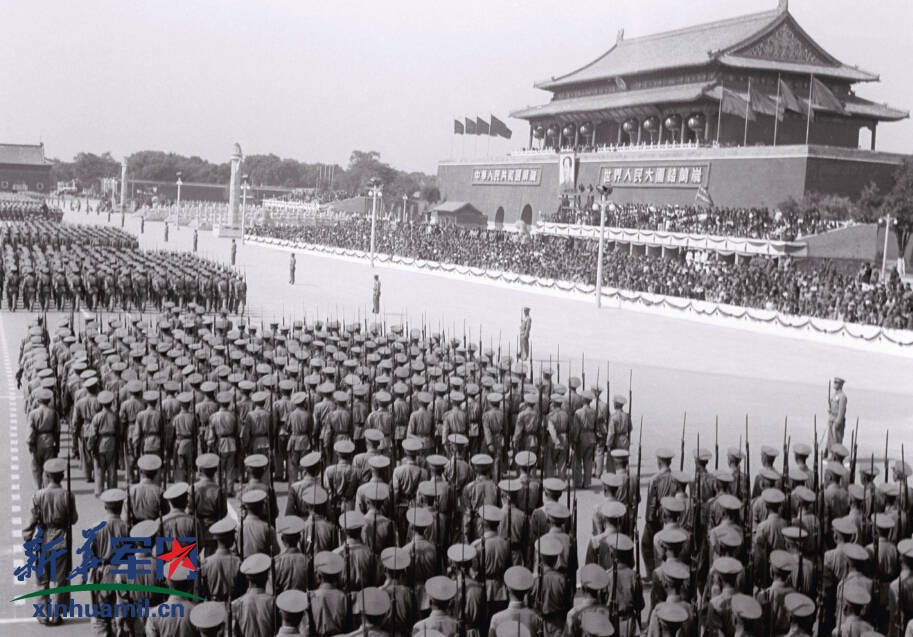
315 80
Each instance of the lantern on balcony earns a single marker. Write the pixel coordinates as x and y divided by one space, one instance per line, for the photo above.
651 124
585 129
539 132
697 122
674 122
552 131
630 126
567 131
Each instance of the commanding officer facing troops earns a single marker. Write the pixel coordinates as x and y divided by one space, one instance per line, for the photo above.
401 539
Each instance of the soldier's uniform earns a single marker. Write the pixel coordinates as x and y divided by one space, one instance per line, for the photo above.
44 433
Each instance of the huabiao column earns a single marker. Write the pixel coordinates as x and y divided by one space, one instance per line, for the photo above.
234 187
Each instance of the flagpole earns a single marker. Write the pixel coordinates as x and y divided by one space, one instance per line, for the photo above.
719 115
808 117
747 106
777 110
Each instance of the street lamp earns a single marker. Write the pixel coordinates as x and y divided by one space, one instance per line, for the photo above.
884 254
375 191
245 186
603 202
405 203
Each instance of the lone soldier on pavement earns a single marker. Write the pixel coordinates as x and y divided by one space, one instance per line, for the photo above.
526 324
291 269
836 414
376 295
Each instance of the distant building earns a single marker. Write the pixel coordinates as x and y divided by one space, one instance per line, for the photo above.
23 167
750 110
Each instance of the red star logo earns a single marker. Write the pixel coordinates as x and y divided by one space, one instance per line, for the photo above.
178 556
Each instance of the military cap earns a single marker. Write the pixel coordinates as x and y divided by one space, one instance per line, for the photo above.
176 490
208 615
260 397
525 459
113 495
471 389
149 462
351 520
328 563
729 502
905 547
461 553
395 559
836 468
481 460
419 517
145 528
734 453
518 578
256 461
441 588
195 379
594 577
344 446
702 455
857 492
379 461
458 439
804 493
845 526
491 513
673 504
90 382
746 607
255 564
798 605
593 624
286 385
676 570
209 386
664 453
224 526
723 475
310 460
493 397
224 397
185 398
838 380
869 470
781 560
246 385
44 394
374 435
856 595
727 565
436 460
612 480
555 485
797 475
884 521
619 542
253 496
682 477
207 461
672 536
802 449
326 387
557 510
548 546
612 509
105 397
769 474
903 468
770 452
412 445
854 552
773 496
382 397
292 601
573 382
134 386
182 574
794 533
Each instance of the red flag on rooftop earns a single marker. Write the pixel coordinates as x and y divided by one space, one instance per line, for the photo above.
823 98
457 127
470 126
734 104
788 100
499 128
481 126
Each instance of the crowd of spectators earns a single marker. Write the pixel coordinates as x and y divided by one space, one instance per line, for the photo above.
795 287
749 223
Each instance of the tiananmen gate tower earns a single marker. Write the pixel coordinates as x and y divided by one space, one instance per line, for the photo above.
750 108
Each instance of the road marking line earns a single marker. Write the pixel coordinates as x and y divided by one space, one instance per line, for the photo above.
15 508
17 521
14 497
16 533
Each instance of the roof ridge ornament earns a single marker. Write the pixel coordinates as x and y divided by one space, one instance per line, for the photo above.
782 6
620 36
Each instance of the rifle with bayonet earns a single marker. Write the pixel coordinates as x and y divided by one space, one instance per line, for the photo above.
681 457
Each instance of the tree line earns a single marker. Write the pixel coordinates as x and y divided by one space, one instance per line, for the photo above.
263 170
